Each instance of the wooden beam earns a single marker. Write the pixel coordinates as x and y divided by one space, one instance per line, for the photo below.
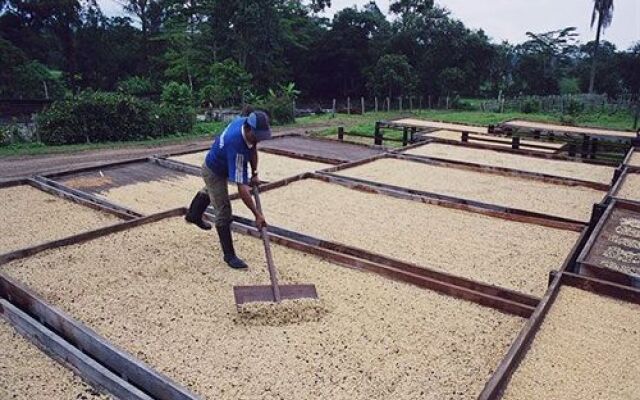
82 200
303 156
510 172
521 151
89 342
512 214
93 166
86 236
61 351
510 362
63 190
177 166
13 182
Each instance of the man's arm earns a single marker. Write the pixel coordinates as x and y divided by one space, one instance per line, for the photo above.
245 194
253 160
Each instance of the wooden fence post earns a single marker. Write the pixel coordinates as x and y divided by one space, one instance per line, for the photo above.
465 137
348 105
333 109
377 135
429 100
341 133
362 104
411 103
375 100
420 102
447 104
405 136
586 142
515 142
388 104
400 103
594 148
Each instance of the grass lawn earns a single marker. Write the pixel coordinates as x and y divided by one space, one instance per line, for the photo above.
360 125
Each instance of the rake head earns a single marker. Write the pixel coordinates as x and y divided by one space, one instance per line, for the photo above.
265 293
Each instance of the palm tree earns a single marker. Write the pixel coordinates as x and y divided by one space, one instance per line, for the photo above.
603 9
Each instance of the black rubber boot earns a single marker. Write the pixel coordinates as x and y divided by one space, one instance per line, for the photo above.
224 232
197 208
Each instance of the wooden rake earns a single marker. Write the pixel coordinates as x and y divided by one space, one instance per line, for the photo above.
272 293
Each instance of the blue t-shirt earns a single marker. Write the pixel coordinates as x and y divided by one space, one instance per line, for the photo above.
229 154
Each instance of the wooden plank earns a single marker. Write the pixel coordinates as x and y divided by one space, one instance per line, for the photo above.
196 149
601 287
502 304
510 362
114 210
93 167
411 268
104 204
89 342
177 166
61 351
521 151
512 214
609 275
13 182
569 130
303 156
503 171
85 236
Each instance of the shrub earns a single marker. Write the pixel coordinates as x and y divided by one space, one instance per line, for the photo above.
6 135
530 106
278 104
170 120
95 117
177 95
459 104
136 86
176 114
573 107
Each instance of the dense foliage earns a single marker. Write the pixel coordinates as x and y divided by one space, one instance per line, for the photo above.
107 117
222 50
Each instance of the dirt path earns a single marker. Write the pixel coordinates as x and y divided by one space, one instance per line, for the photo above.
18 166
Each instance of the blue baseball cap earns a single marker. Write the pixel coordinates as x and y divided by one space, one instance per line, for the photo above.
259 123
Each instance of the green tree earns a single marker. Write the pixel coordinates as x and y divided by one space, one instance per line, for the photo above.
392 76
603 13
228 84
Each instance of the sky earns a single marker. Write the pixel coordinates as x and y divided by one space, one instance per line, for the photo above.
511 19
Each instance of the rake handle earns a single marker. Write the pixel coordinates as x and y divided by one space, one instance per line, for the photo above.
267 250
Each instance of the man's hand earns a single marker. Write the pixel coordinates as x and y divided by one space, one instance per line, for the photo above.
260 221
255 181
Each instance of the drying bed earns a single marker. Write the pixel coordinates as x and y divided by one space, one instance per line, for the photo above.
28 373
162 293
541 126
421 123
506 253
629 188
586 348
614 247
271 167
144 187
496 141
321 148
634 159
560 168
570 202
30 216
